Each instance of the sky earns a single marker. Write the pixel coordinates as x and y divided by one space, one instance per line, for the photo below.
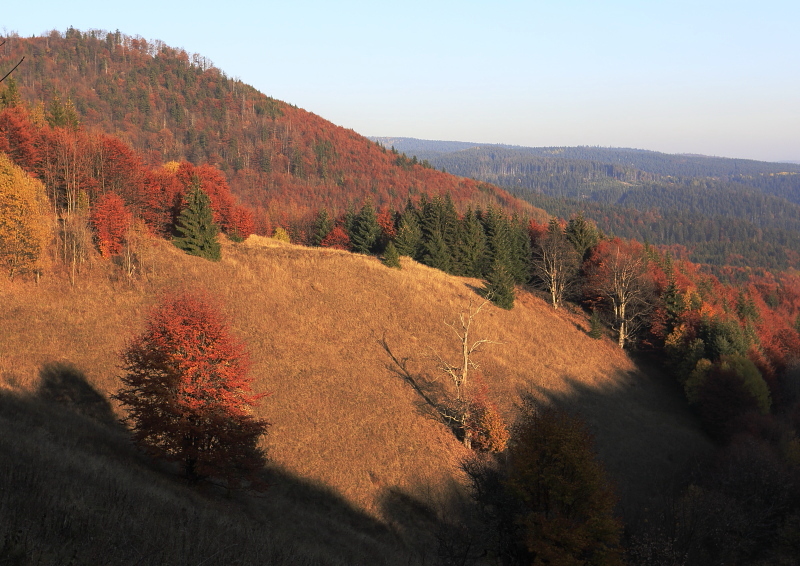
706 77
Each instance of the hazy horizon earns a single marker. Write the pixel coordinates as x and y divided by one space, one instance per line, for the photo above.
717 79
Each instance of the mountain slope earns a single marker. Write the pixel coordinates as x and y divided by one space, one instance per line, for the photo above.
282 161
314 319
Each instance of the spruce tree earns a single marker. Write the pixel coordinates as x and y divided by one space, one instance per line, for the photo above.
498 237
409 233
390 257
471 255
499 287
520 251
595 326
365 231
198 233
582 234
434 249
322 227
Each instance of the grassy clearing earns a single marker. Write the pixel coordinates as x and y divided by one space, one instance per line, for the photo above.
347 433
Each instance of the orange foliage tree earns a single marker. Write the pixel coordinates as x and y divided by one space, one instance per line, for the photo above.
24 228
188 394
111 220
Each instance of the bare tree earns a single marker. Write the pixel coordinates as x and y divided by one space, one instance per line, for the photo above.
617 272
459 373
454 411
555 263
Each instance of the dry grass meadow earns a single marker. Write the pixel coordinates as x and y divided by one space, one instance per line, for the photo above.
349 440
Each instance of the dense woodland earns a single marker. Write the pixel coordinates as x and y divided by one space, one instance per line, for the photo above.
173 161
168 105
723 211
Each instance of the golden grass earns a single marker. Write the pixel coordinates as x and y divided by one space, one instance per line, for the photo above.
313 319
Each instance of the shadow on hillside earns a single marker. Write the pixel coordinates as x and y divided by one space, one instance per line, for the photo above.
644 433
63 383
444 521
431 394
65 473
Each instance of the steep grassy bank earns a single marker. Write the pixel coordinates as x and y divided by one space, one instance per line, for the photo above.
350 444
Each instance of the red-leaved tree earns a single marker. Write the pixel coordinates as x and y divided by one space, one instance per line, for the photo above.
187 392
336 239
111 220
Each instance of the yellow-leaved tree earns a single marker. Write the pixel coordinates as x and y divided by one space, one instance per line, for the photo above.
24 225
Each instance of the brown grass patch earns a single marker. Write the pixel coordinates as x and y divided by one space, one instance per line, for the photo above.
313 319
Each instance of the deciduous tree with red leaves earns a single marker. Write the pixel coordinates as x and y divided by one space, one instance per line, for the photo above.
188 395
336 239
111 220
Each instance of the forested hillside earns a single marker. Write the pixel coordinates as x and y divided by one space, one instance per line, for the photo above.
723 211
416 367
168 105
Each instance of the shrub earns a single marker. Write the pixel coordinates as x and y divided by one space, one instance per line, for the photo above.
486 427
281 235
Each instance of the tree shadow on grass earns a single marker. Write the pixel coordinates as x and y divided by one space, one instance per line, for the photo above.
644 433
73 489
63 383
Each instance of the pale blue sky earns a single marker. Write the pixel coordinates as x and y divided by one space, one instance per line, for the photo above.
710 77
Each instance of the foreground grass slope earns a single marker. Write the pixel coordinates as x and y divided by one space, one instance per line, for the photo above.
345 428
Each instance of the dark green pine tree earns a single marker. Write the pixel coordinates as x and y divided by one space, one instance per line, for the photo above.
322 227
674 304
499 286
595 326
195 226
583 235
349 219
471 253
520 252
498 239
409 232
366 229
451 225
390 257
434 249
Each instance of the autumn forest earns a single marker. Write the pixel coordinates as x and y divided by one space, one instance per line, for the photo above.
260 327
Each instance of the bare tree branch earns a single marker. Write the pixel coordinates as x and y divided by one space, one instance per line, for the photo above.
14 68
459 374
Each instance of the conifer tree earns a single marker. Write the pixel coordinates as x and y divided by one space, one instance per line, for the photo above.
434 250
322 227
595 326
582 234
499 286
497 236
451 226
10 97
520 251
390 257
198 233
365 231
567 507
472 252
409 233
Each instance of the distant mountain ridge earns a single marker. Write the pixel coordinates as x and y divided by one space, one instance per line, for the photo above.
644 159
722 211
